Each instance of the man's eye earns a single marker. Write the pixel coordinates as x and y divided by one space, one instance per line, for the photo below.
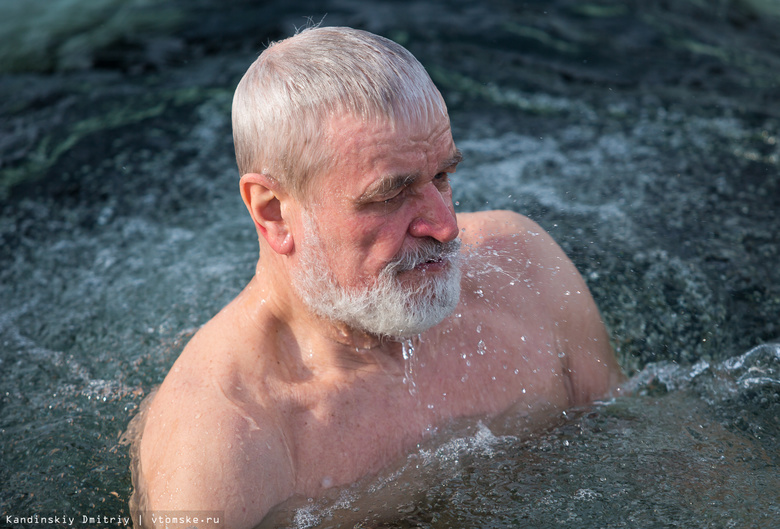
392 199
442 180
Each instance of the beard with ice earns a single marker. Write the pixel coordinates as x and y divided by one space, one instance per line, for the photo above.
388 307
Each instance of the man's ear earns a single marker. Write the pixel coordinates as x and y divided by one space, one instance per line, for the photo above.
263 198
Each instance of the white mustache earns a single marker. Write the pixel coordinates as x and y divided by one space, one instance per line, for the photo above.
428 250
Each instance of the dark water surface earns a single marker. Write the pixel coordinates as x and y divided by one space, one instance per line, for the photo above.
645 136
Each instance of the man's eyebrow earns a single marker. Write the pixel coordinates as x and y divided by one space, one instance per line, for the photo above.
455 159
391 183
387 185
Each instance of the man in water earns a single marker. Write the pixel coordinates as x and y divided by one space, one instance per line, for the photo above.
376 314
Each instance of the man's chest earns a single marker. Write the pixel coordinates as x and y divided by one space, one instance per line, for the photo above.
353 430
348 434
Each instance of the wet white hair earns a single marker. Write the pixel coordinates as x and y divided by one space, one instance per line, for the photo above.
283 103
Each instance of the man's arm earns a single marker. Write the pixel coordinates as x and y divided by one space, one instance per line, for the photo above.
589 359
211 460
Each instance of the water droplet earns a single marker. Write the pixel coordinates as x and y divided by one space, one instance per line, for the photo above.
481 347
479 329
523 390
522 338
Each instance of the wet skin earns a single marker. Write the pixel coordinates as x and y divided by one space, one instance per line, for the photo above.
268 401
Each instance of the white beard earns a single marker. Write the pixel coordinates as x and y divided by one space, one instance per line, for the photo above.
386 308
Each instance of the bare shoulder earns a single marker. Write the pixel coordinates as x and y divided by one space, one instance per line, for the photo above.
511 232
552 288
520 246
210 447
482 226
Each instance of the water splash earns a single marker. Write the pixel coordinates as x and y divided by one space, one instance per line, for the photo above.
756 370
410 361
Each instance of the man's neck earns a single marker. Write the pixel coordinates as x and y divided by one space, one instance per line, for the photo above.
316 342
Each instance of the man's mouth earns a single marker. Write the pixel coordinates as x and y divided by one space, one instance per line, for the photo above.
431 264
428 257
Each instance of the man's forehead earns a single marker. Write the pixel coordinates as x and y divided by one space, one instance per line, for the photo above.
349 136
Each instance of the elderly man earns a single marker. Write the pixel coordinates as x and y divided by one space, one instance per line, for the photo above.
376 313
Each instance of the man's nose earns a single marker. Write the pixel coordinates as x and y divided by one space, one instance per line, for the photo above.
435 216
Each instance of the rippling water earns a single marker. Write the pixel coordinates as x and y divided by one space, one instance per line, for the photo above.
643 136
